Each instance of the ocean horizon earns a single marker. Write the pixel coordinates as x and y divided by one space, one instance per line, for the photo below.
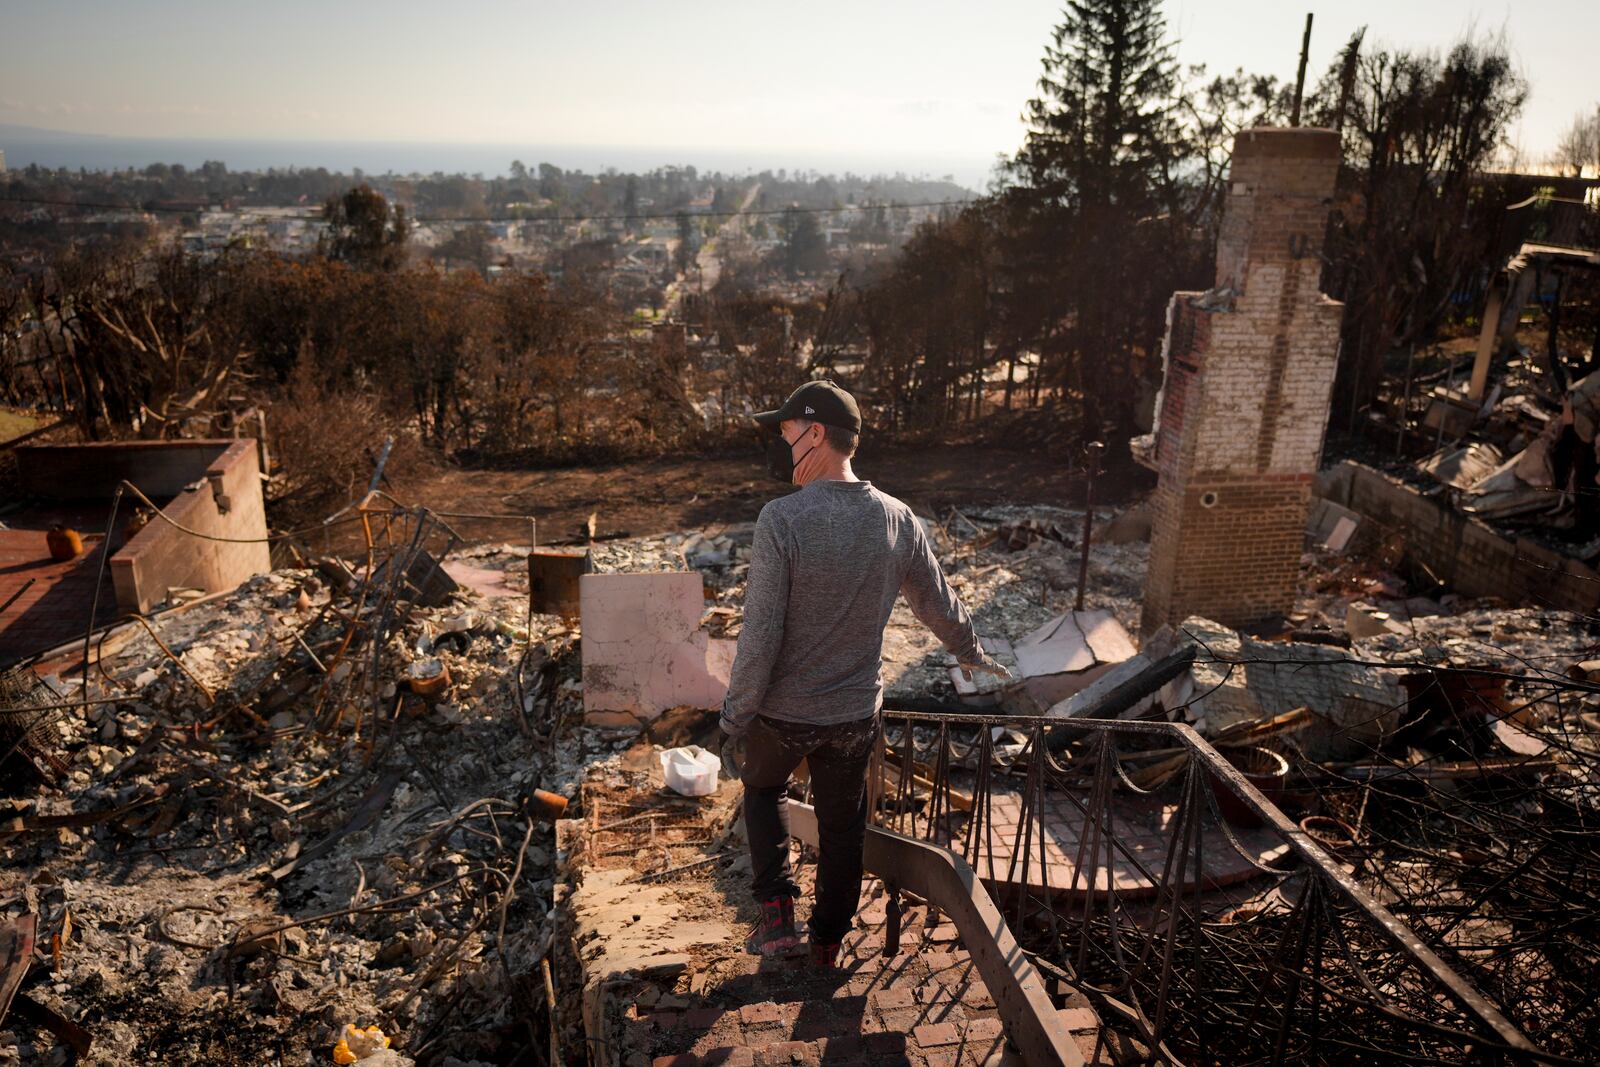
75 151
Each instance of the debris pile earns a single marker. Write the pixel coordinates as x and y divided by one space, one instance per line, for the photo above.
1527 458
331 806
1454 768
318 802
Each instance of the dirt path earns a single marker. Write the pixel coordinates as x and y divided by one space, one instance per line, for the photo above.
679 492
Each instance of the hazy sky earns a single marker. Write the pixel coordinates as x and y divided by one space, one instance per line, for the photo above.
866 77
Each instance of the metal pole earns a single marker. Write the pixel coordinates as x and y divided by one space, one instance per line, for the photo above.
377 473
1300 78
1405 406
1091 467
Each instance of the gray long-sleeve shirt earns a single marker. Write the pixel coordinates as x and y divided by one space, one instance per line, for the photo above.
827 564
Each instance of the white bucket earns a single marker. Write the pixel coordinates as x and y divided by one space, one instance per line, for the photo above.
691 771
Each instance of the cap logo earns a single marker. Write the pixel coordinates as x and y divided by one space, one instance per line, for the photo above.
809 411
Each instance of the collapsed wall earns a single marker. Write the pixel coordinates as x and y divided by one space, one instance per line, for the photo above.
1462 551
1249 369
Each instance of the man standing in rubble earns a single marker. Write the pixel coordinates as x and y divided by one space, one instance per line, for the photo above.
828 562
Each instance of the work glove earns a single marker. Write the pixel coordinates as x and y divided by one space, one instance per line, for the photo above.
985 664
733 757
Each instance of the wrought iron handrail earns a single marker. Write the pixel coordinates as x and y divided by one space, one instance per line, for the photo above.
1268 986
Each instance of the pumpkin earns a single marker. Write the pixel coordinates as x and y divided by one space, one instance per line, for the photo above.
64 543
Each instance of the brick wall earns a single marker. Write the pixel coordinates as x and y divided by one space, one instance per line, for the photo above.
1249 370
1468 555
1230 544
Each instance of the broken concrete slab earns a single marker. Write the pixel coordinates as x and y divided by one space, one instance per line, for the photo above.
1067 653
1240 679
643 649
1367 620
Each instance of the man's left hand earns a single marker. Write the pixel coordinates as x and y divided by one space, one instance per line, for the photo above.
733 756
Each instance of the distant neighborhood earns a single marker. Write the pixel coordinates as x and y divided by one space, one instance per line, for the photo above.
645 239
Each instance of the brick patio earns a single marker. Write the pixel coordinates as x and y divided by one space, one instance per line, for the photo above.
55 609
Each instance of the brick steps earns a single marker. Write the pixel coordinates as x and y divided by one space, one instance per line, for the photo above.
667 983
925 1005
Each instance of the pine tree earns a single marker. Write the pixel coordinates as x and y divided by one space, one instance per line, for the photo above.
1094 209
1102 131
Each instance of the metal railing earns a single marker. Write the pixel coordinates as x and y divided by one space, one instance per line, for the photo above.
1203 941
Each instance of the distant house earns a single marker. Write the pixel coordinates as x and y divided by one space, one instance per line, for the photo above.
650 252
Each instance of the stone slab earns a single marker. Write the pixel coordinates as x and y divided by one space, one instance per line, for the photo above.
643 649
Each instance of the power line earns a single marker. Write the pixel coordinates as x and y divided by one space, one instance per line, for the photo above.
636 216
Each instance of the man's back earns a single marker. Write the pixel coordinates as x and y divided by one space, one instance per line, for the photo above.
827 565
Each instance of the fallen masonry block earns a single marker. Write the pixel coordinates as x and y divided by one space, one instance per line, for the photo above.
1237 678
1332 526
1069 652
643 649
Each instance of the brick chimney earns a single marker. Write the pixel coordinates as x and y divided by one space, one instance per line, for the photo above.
1249 369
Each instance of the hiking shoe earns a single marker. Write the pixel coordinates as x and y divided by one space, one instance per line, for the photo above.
824 957
775 932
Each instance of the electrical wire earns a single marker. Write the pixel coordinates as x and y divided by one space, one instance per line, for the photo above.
170 521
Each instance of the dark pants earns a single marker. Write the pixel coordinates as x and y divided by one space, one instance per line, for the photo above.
837 756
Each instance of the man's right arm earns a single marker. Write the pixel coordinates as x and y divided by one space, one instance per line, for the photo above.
766 603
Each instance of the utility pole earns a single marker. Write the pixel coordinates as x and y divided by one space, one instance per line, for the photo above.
1300 78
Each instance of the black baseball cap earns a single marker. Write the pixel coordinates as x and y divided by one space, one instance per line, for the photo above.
819 401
